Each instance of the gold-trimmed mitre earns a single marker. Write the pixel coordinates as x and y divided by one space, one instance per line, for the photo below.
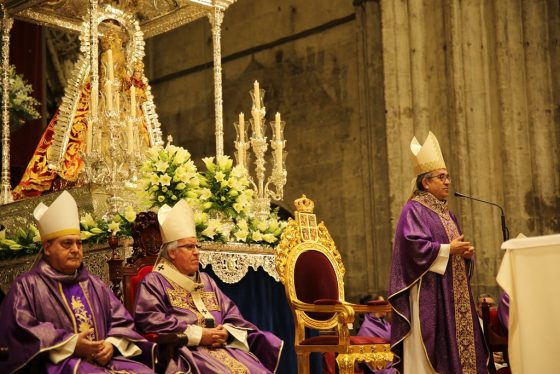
176 222
59 219
427 157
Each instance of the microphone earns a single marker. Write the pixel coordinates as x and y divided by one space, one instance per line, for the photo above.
505 230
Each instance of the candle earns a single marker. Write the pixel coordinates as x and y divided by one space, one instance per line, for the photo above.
257 94
241 127
277 126
110 64
94 103
133 101
279 155
109 95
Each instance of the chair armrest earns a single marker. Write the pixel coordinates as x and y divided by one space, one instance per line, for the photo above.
377 307
345 313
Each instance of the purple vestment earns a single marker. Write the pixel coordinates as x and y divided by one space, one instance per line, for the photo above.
157 313
45 308
377 327
450 329
503 313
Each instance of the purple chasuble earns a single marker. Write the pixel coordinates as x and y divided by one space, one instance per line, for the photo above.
503 313
164 308
451 333
45 308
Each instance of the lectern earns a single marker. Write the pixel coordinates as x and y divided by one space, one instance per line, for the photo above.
529 273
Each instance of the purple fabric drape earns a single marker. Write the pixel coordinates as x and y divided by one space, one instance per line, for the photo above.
420 232
36 317
155 313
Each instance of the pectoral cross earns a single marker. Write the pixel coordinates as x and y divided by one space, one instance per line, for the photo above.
160 267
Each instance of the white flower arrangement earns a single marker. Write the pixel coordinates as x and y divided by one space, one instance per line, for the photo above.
22 104
27 241
225 188
169 174
98 231
226 198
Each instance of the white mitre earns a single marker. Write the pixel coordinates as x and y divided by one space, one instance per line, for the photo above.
59 219
427 157
177 222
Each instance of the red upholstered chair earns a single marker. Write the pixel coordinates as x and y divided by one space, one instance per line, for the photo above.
494 341
311 269
146 246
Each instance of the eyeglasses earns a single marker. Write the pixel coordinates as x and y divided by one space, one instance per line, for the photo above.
189 247
442 177
69 243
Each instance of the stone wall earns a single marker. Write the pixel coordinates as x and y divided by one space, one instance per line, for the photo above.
355 81
480 75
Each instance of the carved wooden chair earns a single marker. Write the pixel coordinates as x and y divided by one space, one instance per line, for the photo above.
146 246
494 341
311 269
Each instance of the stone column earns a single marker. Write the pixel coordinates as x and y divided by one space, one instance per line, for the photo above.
371 106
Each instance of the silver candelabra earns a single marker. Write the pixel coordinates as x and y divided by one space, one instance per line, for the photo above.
273 186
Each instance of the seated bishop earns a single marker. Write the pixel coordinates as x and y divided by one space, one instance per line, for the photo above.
58 318
177 298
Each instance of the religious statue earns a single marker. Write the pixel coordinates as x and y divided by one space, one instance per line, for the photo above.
115 93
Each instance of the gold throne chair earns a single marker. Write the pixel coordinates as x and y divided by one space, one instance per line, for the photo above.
311 269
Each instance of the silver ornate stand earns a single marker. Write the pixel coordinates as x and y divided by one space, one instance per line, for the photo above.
231 261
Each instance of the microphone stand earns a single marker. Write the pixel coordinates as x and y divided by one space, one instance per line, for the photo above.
505 230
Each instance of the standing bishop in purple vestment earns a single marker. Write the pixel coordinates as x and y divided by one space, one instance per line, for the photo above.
60 316
177 298
435 327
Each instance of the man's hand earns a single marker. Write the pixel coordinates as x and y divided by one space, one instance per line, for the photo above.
468 253
104 355
459 247
86 348
215 337
221 337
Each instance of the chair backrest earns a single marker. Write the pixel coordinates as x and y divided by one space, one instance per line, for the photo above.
315 279
310 266
146 246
